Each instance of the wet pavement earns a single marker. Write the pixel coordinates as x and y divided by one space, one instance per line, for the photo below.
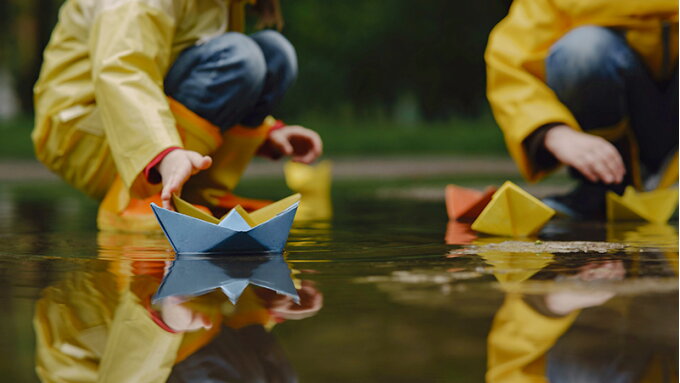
389 291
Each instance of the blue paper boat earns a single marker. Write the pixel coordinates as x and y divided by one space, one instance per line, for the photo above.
191 276
191 230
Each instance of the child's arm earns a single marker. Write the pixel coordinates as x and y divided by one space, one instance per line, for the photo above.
130 51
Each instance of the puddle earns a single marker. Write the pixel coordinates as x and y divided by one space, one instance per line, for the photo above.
389 291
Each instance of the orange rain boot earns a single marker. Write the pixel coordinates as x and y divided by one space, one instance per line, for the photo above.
214 187
119 212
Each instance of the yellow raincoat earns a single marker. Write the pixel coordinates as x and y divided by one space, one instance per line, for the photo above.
100 106
519 44
92 328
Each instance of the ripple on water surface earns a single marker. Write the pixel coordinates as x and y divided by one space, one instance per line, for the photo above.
390 292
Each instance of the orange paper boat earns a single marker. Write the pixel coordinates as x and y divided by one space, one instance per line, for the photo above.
464 204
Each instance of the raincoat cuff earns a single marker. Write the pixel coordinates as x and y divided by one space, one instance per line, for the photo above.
151 173
278 124
540 158
156 318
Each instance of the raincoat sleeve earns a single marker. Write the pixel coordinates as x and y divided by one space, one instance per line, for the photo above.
130 49
519 339
138 350
519 97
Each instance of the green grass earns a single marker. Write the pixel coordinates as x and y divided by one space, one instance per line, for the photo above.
15 138
478 136
343 137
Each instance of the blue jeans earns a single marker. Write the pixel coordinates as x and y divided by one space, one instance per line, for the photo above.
602 81
233 78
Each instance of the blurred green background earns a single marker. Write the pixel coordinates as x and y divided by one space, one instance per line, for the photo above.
376 77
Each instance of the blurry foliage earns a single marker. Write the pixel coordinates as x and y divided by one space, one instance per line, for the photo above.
357 57
25 28
372 54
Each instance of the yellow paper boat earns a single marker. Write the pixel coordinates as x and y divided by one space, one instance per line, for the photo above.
655 206
513 212
314 184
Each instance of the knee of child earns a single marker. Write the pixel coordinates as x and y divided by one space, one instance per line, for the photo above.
239 53
279 53
585 53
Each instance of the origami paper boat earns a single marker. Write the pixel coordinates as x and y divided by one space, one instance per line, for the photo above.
191 276
464 204
655 206
191 230
314 184
513 212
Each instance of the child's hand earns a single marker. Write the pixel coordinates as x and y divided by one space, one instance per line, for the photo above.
302 144
182 318
175 170
594 157
564 302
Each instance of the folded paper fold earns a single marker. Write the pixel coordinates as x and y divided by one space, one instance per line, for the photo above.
513 212
191 230
464 204
655 206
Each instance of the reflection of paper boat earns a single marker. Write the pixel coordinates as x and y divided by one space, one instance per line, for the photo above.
655 206
191 230
466 204
515 267
459 233
191 276
655 235
314 184
513 212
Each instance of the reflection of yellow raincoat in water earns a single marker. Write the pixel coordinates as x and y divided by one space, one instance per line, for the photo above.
95 327
519 44
521 336
100 106
519 339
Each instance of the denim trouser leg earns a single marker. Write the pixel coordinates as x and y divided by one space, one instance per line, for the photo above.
602 81
233 78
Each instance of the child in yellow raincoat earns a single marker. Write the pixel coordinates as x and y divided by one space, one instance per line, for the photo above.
592 84
137 93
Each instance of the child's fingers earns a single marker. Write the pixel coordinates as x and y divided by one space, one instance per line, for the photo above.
307 145
282 143
173 186
587 172
165 199
199 162
308 157
317 144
